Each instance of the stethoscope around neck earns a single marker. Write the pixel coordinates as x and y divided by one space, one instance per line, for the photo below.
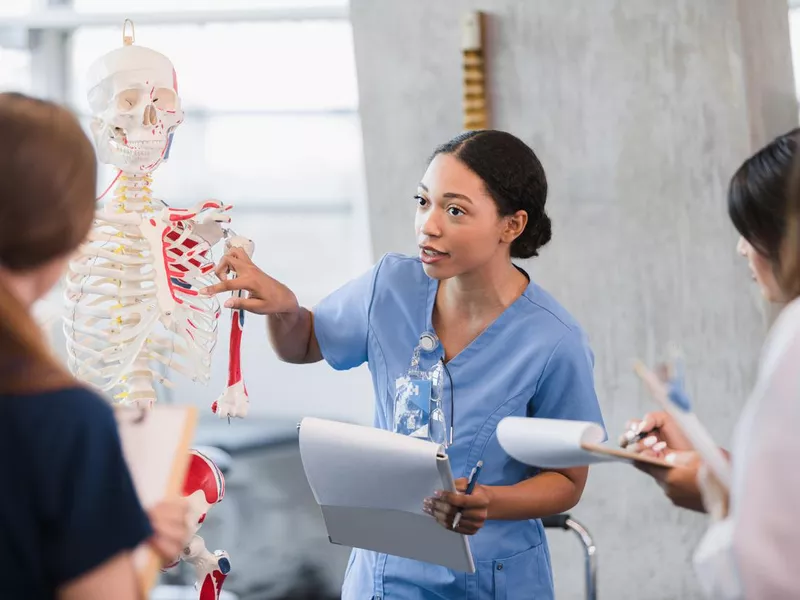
429 342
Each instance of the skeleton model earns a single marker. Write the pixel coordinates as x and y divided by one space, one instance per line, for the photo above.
204 487
132 290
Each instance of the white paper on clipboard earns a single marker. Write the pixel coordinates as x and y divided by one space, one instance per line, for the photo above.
370 485
155 444
561 444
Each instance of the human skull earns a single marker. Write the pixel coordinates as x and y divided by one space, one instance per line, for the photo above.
133 96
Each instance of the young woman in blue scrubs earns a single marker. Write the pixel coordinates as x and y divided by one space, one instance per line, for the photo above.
509 347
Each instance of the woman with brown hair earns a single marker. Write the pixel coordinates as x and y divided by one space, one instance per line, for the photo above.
69 515
750 550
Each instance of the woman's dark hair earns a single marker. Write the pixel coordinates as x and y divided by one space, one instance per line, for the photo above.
758 196
48 175
789 276
513 177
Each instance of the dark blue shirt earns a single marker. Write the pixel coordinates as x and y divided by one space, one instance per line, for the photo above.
67 501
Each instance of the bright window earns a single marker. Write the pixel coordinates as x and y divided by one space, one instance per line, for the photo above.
15 70
178 5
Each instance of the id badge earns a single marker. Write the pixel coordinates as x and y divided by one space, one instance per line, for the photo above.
412 405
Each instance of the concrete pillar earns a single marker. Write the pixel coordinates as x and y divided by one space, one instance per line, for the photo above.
640 111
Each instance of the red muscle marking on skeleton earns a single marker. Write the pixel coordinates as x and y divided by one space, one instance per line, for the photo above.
182 214
204 486
234 351
212 586
204 475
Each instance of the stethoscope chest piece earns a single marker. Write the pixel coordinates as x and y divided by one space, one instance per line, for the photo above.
428 342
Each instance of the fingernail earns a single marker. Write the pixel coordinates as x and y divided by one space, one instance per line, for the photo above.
659 446
649 441
203 292
228 304
439 493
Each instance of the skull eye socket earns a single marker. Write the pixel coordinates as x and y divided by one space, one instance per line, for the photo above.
164 99
127 100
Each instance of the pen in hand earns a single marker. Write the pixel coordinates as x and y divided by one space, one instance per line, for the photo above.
634 436
473 478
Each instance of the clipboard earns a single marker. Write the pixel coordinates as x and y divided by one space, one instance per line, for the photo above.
560 444
370 485
155 444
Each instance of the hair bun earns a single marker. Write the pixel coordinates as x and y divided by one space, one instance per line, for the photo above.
534 236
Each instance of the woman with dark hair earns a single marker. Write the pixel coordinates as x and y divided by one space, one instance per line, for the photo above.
751 548
757 204
69 515
507 346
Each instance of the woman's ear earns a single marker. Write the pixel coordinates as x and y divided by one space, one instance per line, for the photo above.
514 225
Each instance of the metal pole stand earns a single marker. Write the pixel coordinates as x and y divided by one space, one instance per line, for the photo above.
564 521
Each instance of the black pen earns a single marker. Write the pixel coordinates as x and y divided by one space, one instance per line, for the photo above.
629 437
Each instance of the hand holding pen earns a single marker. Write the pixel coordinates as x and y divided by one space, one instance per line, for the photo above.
656 434
464 511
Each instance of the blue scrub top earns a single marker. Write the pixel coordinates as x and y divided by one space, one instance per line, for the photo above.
533 360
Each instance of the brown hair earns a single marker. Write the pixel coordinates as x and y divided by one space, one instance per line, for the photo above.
48 174
789 276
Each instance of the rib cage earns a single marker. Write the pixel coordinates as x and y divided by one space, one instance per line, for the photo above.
126 311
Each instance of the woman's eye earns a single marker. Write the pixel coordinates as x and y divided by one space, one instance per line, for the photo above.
455 211
422 201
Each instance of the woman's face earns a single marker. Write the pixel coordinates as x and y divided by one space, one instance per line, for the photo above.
762 271
457 224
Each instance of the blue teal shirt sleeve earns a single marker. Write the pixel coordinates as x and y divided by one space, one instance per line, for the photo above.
566 389
341 321
91 506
